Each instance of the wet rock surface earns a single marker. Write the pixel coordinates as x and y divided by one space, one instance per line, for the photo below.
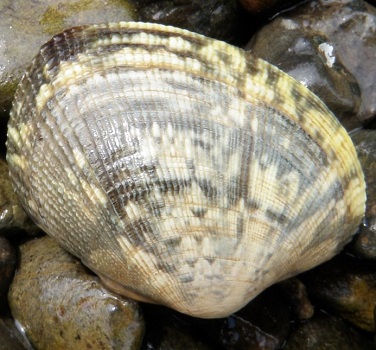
365 144
25 26
365 242
296 292
347 287
330 47
204 17
325 332
10 336
61 305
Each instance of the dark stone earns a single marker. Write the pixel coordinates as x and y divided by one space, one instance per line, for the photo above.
11 337
296 293
7 264
365 144
262 324
325 332
345 286
365 242
330 47
62 306
216 19
168 330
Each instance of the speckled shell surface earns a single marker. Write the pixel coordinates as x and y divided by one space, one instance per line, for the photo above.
179 168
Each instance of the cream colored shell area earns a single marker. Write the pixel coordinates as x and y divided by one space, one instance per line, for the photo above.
208 286
261 83
252 77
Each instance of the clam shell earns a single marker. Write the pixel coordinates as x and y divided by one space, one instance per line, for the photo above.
180 169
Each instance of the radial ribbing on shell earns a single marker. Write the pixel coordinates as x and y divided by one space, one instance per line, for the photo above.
179 168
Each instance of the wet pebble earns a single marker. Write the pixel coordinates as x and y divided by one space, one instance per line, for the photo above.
330 47
365 144
10 336
297 295
345 286
60 305
365 242
213 18
325 332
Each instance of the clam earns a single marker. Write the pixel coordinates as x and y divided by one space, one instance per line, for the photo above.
180 169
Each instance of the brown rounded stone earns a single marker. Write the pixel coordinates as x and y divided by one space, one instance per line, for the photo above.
61 305
346 286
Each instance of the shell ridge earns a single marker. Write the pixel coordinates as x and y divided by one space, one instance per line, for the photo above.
195 161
